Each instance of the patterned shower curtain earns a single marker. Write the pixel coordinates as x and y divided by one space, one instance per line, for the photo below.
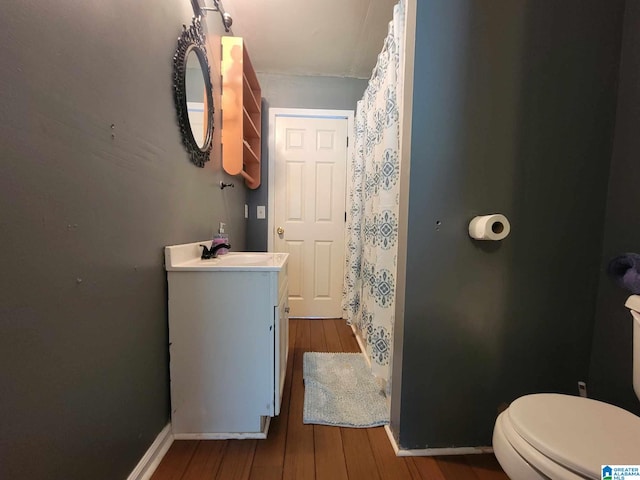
372 199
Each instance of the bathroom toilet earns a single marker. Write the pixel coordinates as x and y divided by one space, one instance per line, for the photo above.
560 437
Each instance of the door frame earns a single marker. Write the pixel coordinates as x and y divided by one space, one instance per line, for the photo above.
303 113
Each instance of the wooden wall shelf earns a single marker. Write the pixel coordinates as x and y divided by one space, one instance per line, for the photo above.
241 113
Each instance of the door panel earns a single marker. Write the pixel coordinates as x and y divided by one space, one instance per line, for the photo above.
295 189
296 274
322 264
324 192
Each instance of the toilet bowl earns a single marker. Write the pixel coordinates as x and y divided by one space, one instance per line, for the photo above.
562 437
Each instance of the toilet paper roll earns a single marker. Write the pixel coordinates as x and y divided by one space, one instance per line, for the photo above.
489 227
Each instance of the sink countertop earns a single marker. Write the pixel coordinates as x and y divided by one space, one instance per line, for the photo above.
186 257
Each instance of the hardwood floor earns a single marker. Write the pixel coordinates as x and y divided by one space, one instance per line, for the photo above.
304 452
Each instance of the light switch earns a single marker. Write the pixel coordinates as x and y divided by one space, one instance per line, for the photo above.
246 211
260 212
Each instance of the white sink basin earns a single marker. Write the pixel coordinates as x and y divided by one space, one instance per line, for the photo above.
186 257
244 258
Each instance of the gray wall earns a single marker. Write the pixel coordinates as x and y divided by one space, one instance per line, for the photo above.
84 218
611 360
513 112
297 91
294 91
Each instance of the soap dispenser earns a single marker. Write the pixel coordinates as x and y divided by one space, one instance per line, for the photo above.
221 237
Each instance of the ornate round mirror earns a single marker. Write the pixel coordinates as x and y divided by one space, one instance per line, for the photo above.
193 93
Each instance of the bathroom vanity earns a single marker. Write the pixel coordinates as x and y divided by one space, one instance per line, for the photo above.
228 341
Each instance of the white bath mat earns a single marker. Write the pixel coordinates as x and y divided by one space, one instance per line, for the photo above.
340 390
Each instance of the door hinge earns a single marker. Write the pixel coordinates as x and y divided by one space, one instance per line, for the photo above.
345 216
347 141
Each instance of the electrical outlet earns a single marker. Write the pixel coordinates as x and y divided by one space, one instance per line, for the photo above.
261 212
246 211
582 389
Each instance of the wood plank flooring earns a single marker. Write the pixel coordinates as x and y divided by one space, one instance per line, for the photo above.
305 452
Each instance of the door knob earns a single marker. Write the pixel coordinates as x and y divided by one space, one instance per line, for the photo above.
280 230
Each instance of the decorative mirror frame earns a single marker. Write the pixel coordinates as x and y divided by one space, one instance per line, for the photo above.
192 38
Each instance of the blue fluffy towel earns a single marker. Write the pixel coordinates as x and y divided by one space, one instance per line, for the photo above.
625 270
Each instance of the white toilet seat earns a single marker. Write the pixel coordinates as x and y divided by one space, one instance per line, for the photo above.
510 460
566 438
538 461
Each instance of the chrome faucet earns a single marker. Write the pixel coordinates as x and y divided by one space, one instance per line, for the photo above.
212 252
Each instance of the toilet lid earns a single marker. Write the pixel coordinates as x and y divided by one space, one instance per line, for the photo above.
579 433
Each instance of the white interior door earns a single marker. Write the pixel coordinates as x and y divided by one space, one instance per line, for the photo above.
309 210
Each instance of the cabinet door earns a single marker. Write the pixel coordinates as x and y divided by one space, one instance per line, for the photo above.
281 338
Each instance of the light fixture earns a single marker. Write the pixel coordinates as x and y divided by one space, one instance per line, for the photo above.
227 21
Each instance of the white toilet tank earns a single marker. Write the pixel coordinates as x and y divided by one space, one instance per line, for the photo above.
633 304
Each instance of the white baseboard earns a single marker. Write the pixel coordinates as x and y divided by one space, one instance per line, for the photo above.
219 436
151 459
361 345
433 452
225 436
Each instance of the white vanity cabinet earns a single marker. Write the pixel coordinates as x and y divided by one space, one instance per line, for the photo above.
228 342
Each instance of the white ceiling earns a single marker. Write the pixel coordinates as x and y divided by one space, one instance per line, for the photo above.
339 38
